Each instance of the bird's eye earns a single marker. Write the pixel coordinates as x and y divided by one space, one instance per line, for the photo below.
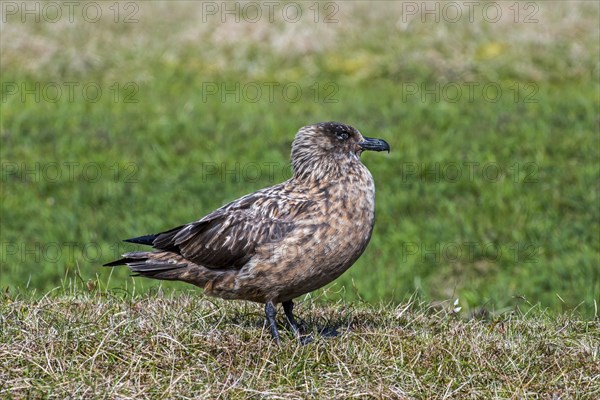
342 136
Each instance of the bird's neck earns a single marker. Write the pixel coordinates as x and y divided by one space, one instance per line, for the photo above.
348 174
326 168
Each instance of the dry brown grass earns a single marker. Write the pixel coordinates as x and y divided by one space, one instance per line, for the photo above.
189 346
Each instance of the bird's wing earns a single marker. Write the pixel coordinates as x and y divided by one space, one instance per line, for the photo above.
228 237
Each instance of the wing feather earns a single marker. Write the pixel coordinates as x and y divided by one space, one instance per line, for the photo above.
228 237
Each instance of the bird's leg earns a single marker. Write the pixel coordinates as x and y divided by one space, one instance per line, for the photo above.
288 307
271 313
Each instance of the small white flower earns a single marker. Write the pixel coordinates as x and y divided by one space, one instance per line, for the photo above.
456 307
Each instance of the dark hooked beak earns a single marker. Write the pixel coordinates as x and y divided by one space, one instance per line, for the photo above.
374 144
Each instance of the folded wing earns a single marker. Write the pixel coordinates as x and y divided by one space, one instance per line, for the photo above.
228 237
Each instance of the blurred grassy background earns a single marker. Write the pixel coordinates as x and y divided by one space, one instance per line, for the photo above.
84 170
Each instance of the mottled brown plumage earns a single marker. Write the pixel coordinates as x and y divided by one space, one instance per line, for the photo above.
279 242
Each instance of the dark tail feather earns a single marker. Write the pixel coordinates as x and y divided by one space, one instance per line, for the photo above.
122 261
146 239
164 273
137 262
157 265
163 241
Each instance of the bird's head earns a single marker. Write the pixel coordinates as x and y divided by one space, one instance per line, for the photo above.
328 147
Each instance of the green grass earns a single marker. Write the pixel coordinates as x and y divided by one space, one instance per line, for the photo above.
90 343
531 232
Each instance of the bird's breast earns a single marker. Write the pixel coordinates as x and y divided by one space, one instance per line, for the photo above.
351 210
324 242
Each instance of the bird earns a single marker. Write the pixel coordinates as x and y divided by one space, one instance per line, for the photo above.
280 242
